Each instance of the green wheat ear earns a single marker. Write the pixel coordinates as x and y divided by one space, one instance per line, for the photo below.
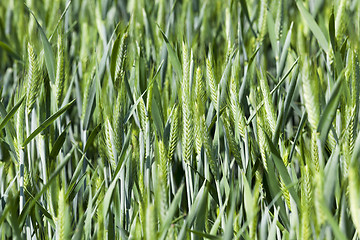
174 131
34 79
255 207
285 192
188 122
62 218
202 134
319 198
89 81
109 142
143 114
268 104
279 19
120 60
306 203
314 151
310 94
340 22
100 211
199 109
237 115
354 192
135 164
355 69
233 144
163 180
261 138
60 70
118 118
353 185
210 79
262 21
150 223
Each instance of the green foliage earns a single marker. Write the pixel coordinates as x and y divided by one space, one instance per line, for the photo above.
202 119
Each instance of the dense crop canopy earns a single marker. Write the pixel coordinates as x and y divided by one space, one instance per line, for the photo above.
187 119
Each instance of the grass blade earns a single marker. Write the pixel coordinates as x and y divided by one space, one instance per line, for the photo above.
315 29
172 55
11 113
47 122
330 110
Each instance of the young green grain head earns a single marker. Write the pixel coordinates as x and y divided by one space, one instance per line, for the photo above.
262 21
110 146
188 121
60 70
306 203
34 79
210 79
310 93
268 104
120 60
174 132
62 218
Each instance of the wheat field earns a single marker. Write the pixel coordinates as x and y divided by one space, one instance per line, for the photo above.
179 119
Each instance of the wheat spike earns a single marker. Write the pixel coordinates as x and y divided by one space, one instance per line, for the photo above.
200 88
340 22
208 148
268 104
60 75
142 192
285 192
118 119
354 195
163 179
254 221
353 186
211 82
262 21
100 208
188 123
315 151
349 143
149 100
263 144
135 164
237 115
174 132
234 146
198 133
62 219
202 137
318 201
89 81
120 60
279 19
306 203
202 133
355 69
34 80
150 229
143 114
310 87
199 109
109 142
